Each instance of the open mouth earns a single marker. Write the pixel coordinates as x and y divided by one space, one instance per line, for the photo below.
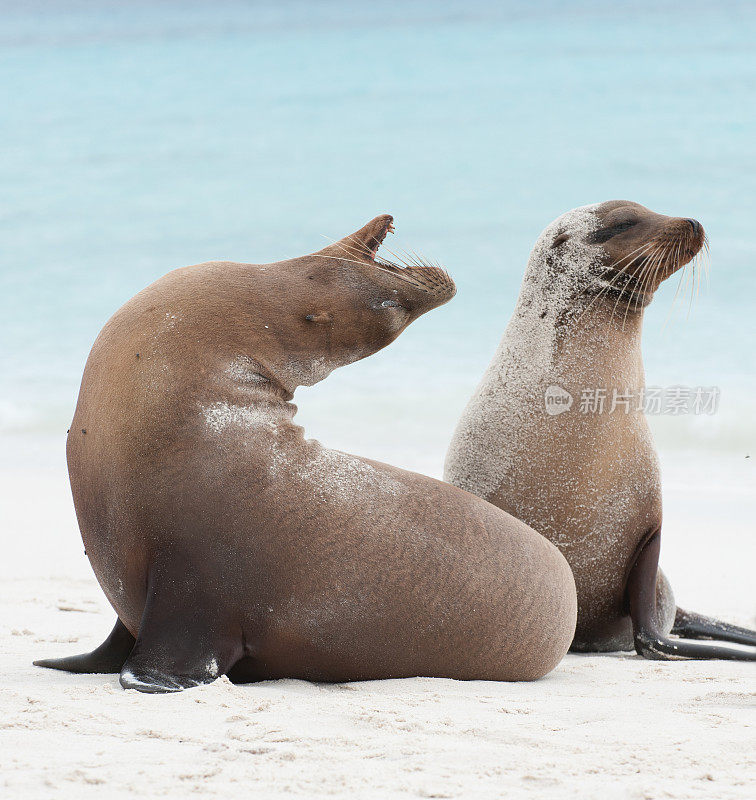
422 273
377 240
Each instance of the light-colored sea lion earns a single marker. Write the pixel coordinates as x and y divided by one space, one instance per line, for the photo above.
229 543
588 481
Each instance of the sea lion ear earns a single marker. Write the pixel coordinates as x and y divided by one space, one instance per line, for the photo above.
560 239
363 244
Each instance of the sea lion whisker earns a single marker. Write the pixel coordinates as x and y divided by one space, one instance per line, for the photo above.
633 296
631 257
692 279
399 274
420 259
651 273
606 288
608 284
426 272
648 275
698 262
412 268
677 292
706 260
698 279
422 272
618 274
384 267
411 261
619 294
358 248
612 282
643 280
688 279
654 267
693 292
401 258
644 246
403 272
340 258
361 249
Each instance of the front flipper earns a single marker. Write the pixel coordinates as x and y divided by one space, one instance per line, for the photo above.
109 657
690 625
181 642
650 642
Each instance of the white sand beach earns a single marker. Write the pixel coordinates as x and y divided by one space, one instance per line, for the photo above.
598 726
142 136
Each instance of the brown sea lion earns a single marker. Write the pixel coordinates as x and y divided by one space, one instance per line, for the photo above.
588 481
229 543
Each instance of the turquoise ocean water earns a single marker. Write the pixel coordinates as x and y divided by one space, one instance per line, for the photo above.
141 136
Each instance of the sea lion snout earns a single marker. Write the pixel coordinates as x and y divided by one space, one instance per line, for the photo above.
696 237
371 299
607 259
677 243
337 305
643 244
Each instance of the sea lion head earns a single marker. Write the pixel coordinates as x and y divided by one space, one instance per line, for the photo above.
613 254
344 303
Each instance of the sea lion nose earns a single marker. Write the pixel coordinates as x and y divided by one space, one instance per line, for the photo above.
695 225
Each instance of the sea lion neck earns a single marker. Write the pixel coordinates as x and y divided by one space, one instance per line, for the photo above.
254 378
551 325
549 344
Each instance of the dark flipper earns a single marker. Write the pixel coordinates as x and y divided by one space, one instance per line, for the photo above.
690 625
107 658
181 641
650 642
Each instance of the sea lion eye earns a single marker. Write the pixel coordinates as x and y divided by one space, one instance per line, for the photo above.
613 230
390 304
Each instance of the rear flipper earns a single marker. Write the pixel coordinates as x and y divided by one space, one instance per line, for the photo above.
650 641
182 642
109 657
690 625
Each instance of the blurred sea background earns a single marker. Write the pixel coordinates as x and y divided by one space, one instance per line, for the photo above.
142 136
